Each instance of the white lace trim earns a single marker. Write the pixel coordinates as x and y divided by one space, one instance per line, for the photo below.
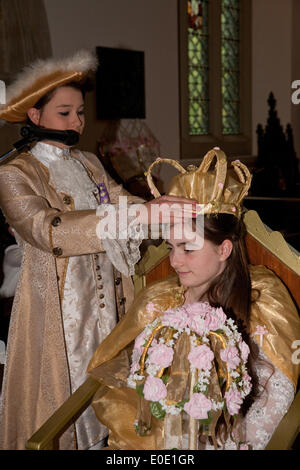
267 411
122 243
67 175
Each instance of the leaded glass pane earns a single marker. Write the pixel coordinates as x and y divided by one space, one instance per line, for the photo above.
198 67
230 55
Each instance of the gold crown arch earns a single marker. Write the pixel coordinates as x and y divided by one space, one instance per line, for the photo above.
219 191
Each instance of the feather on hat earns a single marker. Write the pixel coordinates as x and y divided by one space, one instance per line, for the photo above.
41 77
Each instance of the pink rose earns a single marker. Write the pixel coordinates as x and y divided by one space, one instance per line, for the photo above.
198 308
201 357
161 355
215 319
197 324
150 307
245 351
211 322
244 447
196 314
247 386
198 406
233 401
140 341
154 389
231 356
177 318
247 377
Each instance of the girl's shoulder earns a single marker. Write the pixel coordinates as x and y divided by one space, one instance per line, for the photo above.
160 296
274 320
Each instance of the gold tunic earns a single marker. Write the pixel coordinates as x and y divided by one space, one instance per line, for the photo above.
37 374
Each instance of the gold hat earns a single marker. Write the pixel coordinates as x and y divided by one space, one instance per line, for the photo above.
41 77
218 191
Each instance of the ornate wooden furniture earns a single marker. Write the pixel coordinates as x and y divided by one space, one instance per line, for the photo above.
265 248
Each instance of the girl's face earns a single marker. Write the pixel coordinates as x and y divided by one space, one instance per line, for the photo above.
197 262
65 111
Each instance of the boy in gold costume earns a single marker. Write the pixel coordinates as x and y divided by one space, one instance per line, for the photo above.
72 284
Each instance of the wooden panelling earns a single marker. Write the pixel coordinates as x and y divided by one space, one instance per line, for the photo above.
159 272
259 255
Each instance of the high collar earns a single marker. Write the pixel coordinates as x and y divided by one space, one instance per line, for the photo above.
48 153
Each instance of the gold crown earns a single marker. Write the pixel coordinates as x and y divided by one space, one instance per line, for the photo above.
218 191
39 78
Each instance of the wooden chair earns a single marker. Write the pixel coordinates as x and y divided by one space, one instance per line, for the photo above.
265 248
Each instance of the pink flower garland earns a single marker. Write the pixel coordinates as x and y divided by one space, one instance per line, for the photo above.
197 320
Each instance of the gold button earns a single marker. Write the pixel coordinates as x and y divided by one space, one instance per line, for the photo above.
101 296
102 305
118 280
99 277
56 221
57 251
97 268
95 257
67 200
100 287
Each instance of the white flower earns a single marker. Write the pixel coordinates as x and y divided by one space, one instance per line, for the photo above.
152 369
131 383
234 374
170 409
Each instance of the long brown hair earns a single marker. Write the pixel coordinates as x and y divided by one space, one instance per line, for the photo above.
231 289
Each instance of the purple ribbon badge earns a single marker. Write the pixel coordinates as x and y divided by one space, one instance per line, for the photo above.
103 194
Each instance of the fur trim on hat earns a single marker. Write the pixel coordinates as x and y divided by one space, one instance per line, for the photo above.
81 61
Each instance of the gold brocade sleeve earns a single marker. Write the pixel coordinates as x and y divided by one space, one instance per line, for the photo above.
37 217
274 309
37 212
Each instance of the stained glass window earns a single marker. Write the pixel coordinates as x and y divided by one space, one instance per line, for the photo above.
230 55
198 67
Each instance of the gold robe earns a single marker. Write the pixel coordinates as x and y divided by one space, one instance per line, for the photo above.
37 374
116 405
